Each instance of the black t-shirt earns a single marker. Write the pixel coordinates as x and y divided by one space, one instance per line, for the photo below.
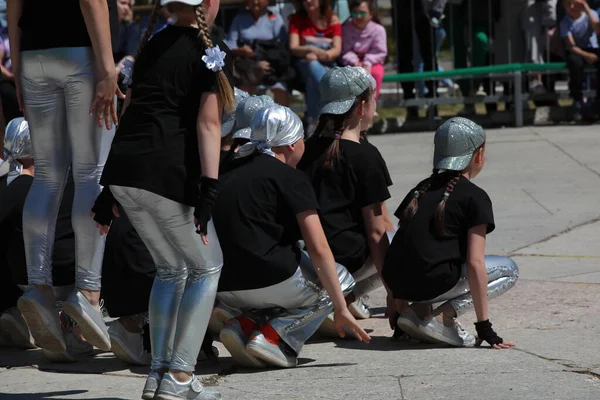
12 199
255 219
361 179
421 264
156 147
49 24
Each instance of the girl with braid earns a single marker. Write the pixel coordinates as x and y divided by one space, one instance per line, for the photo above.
438 253
351 181
162 169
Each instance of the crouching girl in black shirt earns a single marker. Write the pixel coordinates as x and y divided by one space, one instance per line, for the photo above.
438 253
162 169
265 207
350 180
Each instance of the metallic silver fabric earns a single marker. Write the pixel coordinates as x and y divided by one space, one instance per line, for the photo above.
273 126
245 112
187 274
502 272
227 119
17 145
455 142
58 89
340 87
347 281
296 307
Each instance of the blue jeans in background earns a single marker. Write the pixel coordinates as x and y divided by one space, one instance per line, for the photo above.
440 36
311 72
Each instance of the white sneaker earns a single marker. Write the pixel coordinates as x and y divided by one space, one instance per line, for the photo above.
359 309
15 330
76 346
454 335
218 317
235 340
128 346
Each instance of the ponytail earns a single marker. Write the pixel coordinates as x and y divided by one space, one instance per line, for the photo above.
333 125
149 29
225 89
440 211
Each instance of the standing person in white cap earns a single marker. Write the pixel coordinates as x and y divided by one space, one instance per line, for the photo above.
265 207
438 253
162 169
350 180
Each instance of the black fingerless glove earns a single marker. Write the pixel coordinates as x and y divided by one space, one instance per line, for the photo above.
208 191
102 208
485 332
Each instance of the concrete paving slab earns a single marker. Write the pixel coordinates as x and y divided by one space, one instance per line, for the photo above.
579 242
567 269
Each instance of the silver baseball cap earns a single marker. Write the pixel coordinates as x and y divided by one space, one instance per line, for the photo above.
228 120
455 142
340 87
245 112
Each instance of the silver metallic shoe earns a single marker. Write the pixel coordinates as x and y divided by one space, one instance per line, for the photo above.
42 319
128 346
218 317
76 346
233 338
279 355
359 309
454 336
14 328
89 319
170 389
409 322
152 384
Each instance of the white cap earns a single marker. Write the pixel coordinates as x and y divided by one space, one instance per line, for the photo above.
188 2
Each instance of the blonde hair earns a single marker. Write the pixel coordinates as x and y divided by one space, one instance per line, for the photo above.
225 89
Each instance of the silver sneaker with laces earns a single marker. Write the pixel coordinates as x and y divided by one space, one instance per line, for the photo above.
128 346
89 319
359 309
151 385
279 355
14 328
77 348
233 338
453 335
410 324
42 318
170 389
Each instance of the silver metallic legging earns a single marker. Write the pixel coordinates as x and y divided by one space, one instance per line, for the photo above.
58 89
187 274
502 272
295 307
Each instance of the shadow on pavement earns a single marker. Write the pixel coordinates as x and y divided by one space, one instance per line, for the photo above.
385 343
49 395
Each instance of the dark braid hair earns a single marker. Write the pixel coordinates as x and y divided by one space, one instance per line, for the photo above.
440 211
411 209
149 28
333 125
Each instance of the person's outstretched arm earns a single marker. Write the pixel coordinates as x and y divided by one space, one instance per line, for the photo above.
325 267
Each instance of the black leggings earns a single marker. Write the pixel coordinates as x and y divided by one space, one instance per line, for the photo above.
576 65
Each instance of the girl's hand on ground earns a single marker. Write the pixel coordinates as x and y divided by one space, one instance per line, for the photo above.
343 318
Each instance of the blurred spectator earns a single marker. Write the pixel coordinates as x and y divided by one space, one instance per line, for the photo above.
410 17
473 38
364 41
129 34
259 43
316 41
8 91
440 36
580 28
162 21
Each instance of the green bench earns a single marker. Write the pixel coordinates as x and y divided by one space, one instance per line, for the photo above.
512 71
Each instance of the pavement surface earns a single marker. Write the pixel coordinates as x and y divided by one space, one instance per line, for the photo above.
545 186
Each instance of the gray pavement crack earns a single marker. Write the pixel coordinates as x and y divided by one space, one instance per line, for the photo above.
573 368
401 390
566 153
564 231
537 202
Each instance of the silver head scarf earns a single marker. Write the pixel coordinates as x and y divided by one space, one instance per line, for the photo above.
245 112
273 126
17 145
228 120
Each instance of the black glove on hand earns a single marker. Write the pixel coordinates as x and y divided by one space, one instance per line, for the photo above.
208 191
103 206
485 332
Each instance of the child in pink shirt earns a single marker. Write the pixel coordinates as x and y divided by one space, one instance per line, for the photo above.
364 40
